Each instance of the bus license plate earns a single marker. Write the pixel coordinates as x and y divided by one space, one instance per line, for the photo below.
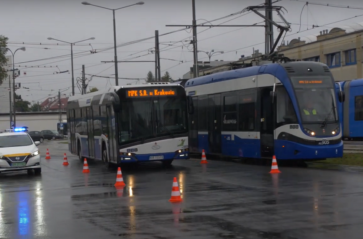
156 157
22 164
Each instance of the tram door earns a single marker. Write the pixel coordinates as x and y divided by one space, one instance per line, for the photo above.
72 130
214 123
193 124
267 136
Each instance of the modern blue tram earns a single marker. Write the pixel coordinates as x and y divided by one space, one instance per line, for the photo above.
287 110
351 110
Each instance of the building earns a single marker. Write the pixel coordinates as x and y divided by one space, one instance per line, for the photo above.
340 48
51 104
4 88
203 67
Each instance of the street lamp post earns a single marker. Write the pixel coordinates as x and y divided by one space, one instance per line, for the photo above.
211 53
13 53
71 43
114 31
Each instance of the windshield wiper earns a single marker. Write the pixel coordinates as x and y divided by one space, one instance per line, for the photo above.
327 117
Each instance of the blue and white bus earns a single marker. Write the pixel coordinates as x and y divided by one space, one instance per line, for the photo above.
134 123
259 111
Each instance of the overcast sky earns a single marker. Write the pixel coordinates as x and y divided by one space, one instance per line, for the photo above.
29 23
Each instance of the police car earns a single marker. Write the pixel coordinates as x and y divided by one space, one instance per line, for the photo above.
19 152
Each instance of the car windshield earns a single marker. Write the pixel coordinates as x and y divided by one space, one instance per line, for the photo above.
54 131
15 141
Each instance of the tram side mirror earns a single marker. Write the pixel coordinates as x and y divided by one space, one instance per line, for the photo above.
341 96
190 105
273 95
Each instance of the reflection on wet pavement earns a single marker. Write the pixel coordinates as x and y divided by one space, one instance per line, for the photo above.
220 200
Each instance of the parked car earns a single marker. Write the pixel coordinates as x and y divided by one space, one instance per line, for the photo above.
36 136
51 134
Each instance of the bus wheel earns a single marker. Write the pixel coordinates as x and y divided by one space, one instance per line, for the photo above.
167 162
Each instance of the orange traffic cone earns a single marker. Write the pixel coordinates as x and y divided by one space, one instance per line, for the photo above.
65 160
274 167
47 155
85 166
175 193
119 179
204 159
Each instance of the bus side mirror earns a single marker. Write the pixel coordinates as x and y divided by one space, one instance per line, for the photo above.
190 105
341 96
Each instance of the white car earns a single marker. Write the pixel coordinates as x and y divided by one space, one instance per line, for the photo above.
19 152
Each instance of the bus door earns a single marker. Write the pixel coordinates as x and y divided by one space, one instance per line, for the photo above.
91 140
72 130
112 142
266 132
193 131
214 124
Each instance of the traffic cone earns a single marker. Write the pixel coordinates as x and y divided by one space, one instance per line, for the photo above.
204 159
274 167
65 160
119 179
175 193
85 166
47 155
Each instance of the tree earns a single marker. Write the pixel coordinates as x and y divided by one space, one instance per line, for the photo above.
3 44
150 77
22 106
35 107
166 77
93 89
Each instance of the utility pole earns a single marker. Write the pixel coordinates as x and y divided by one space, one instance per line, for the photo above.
10 105
157 57
83 81
59 106
195 45
269 35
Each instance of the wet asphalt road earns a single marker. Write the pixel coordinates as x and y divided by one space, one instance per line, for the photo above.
221 200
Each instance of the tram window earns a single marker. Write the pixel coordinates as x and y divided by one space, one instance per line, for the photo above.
358 108
285 112
78 120
229 121
246 113
230 104
202 114
97 129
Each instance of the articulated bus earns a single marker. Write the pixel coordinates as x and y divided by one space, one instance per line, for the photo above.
287 110
129 124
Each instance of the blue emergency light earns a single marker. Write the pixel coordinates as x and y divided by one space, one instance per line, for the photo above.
21 129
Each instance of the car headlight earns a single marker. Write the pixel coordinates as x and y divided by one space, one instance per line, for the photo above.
35 153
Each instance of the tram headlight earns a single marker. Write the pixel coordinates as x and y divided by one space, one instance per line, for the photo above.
333 132
310 132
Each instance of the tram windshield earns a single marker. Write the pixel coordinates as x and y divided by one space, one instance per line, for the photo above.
316 99
146 116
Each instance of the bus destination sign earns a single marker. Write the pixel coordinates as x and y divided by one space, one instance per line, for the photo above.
310 81
150 93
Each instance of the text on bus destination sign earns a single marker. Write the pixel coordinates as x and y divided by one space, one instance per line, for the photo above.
150 92
310 81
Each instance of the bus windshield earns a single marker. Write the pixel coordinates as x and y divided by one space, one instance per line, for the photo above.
149 117
316 99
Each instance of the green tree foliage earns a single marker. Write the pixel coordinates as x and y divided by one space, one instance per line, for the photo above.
3 45
35 108
150 77
166 77
93 89
21 105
